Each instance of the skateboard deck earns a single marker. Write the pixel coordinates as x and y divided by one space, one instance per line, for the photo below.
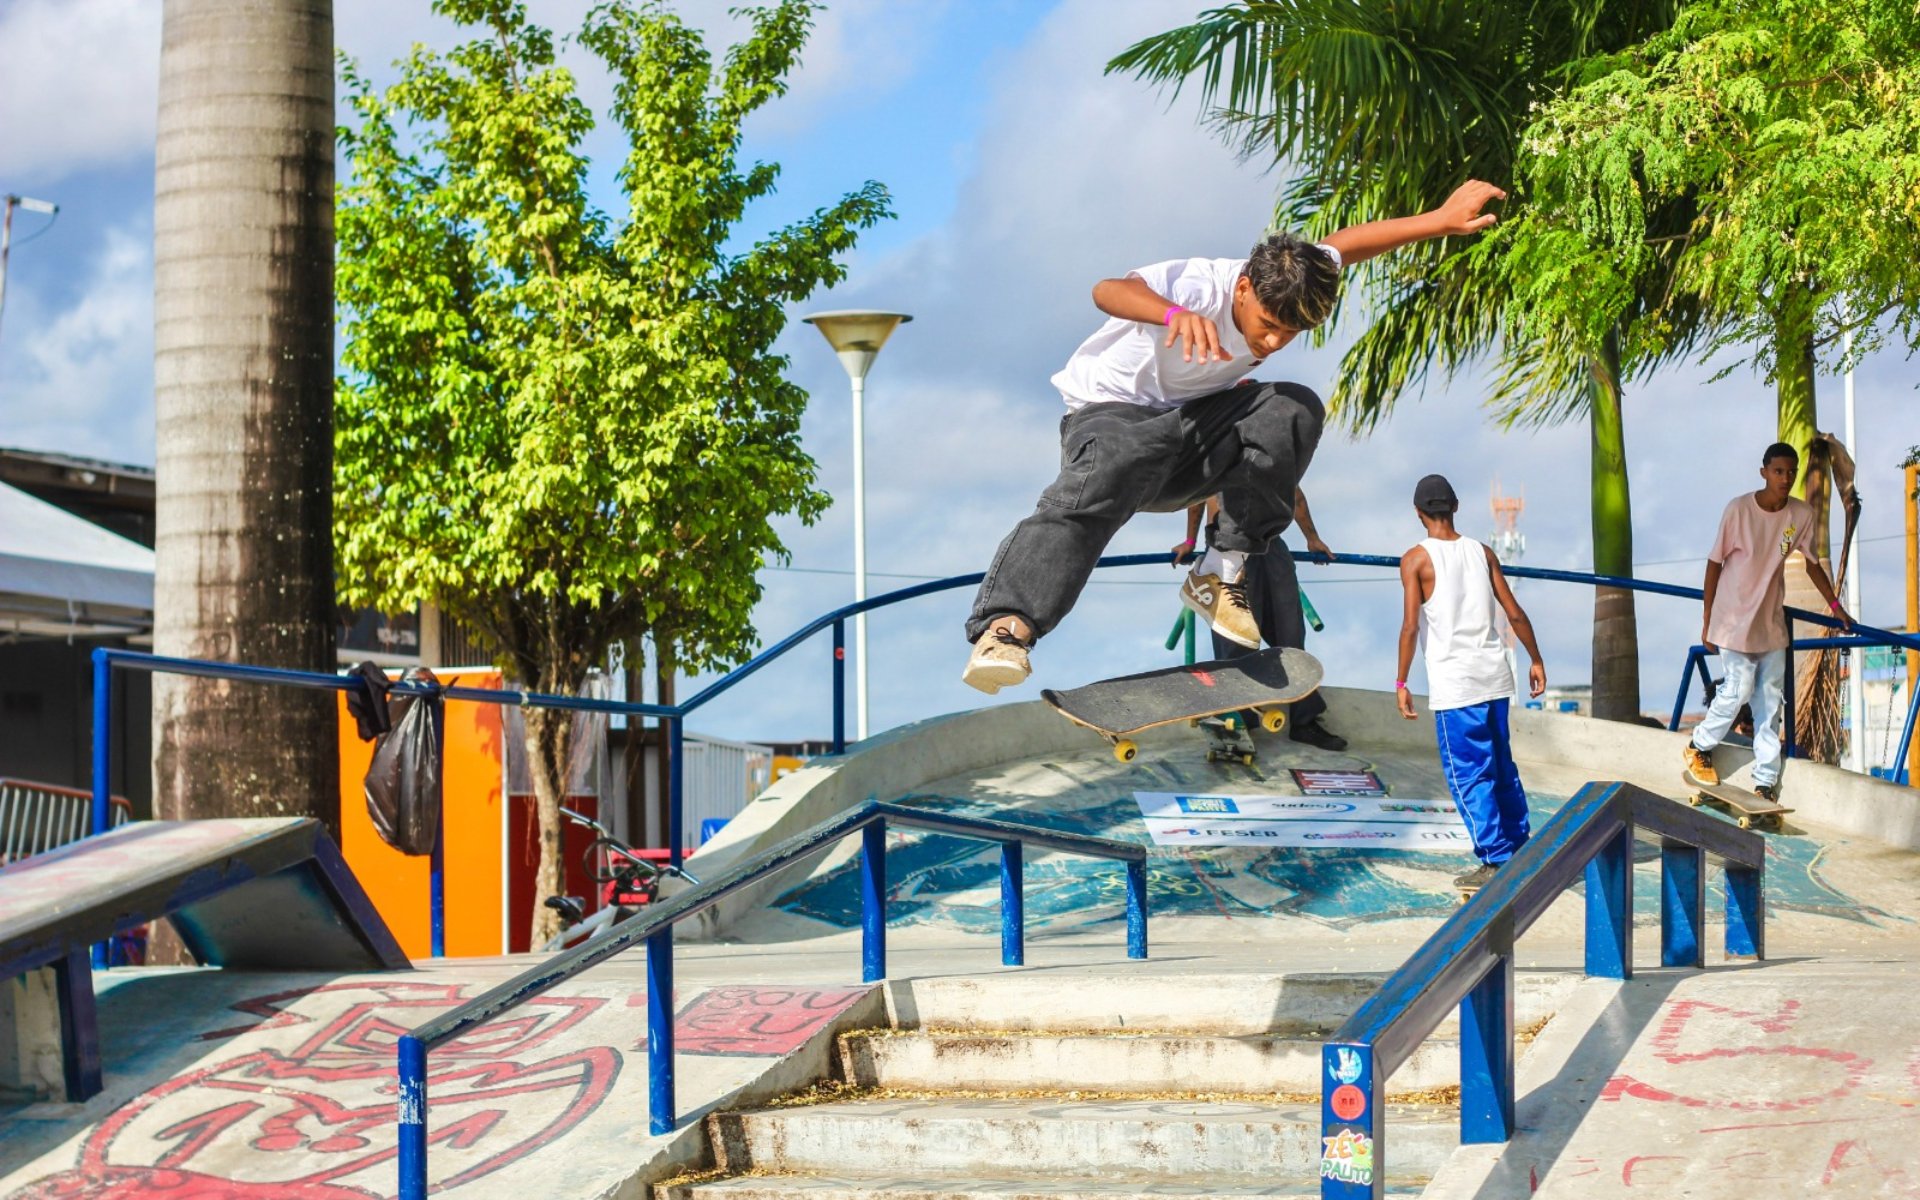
1748 809
1117 708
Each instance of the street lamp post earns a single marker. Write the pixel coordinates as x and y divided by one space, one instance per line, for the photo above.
856 336
44 207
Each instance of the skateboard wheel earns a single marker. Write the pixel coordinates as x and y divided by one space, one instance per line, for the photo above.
1125 750
1246 760
1273 720
1746 822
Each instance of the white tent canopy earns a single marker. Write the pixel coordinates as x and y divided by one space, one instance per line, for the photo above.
62 576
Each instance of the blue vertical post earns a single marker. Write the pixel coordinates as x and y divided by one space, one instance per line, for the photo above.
1137 909
1610 908
1486 1056
79 1025
840 687
676 764
437 864
102 759
1686 679
102 740
873 901
1353 1124
1786 688
1683 905
1746 912
661 1116
1013 904
1906 738
413 1118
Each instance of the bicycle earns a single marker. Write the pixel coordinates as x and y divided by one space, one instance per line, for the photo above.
628 883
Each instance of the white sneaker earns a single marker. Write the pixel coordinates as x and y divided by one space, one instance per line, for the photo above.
1224 605
999 660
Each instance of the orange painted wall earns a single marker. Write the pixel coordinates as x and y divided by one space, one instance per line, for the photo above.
397 883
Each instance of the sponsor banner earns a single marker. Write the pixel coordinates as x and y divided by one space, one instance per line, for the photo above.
1339 783
1191 819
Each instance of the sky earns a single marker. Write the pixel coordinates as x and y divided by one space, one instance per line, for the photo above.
1021 175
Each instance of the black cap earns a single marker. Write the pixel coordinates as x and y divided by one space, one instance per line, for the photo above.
1434 495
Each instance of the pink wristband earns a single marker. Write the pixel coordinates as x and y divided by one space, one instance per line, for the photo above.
1833 606
1399 685
1167 316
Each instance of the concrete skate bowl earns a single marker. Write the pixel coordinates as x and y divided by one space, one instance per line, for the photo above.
1836 863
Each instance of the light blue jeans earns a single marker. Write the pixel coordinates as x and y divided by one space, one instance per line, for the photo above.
1751 678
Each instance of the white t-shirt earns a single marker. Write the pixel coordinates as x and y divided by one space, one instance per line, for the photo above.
1129 362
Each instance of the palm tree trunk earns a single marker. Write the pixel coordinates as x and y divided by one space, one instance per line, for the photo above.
1799 412
1616 636
243 398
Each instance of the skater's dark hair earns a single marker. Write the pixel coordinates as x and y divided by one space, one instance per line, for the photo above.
1781 450
1295 281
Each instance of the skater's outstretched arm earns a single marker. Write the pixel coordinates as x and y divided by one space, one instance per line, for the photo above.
1460 214
1522 627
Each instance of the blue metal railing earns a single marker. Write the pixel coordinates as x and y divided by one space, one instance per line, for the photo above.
654 927
1468 962
1862 636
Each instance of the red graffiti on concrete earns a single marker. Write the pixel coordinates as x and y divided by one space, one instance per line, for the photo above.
1848 1068
757 1021
317 1122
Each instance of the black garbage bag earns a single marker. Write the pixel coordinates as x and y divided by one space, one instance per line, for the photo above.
367 703
403 781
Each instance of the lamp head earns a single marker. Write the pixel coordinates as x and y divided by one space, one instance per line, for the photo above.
857 335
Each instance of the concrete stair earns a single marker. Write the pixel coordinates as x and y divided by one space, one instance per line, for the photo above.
998 1089
1228 1143
1147 1063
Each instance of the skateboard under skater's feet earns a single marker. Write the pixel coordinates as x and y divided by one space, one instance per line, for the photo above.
1264 681
1748 808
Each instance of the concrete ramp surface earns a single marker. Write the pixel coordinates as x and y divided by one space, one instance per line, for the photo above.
267 893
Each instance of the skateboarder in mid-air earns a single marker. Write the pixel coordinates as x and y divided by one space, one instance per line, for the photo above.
1745 617
1451 585
1155 422
1273 593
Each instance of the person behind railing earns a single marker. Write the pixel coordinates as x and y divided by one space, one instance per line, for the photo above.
1450 585
1744 616
1273 593
1156 420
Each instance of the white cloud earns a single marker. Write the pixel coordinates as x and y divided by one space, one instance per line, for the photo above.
79 378
79 85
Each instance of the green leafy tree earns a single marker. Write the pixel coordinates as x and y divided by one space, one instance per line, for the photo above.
1377 109
568 429
1792 131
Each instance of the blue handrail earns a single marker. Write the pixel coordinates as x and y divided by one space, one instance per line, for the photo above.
654 927
105 661
1469 962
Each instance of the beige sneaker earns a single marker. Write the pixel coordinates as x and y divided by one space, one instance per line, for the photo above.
999 660
1699 766
1224 605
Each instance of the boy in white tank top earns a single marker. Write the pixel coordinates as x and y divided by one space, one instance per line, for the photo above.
1451 585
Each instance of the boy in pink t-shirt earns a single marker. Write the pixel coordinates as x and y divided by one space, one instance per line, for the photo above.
1745 616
